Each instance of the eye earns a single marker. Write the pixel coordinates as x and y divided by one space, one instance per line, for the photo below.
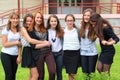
69 20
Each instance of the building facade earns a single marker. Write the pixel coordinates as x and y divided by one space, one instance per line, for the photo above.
77 6
63 6
6 5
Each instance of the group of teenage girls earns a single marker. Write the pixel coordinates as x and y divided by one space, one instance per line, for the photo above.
54 45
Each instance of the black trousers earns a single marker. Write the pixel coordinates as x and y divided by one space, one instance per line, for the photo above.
88 63
58 56
9 65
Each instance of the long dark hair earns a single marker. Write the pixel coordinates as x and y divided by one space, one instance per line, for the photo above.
25 18
58 28
91 32
99 24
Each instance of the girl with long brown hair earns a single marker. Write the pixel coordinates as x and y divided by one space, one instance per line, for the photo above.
88 49
107 38
55 35
10 53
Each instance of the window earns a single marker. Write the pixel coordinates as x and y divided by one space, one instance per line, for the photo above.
69 2
60 3
66 3
72 2
78 2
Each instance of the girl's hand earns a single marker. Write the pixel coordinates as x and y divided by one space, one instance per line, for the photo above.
104 42
109 42
47 43
19 43
18 60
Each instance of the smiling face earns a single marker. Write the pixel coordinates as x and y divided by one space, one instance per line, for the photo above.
86 16
14 20
28 21
38 19
69 21
53 22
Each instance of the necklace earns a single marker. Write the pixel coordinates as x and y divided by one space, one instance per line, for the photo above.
53 40
53 36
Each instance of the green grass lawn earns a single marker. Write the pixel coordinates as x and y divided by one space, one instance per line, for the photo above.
23 73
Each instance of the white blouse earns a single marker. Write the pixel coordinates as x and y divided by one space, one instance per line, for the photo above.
88 47
71 39
55 41
12 50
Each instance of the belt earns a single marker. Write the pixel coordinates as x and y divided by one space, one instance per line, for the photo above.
44 49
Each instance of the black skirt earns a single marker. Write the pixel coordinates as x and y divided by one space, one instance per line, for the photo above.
71 60
27 58
106 57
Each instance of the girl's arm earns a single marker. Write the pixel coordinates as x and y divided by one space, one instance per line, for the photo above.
5 43
109 42
47 43
19 55
28 38
113 38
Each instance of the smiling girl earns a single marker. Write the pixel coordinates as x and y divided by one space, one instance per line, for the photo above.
55 35
10 54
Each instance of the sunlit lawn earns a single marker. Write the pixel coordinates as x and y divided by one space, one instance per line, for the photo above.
23 73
